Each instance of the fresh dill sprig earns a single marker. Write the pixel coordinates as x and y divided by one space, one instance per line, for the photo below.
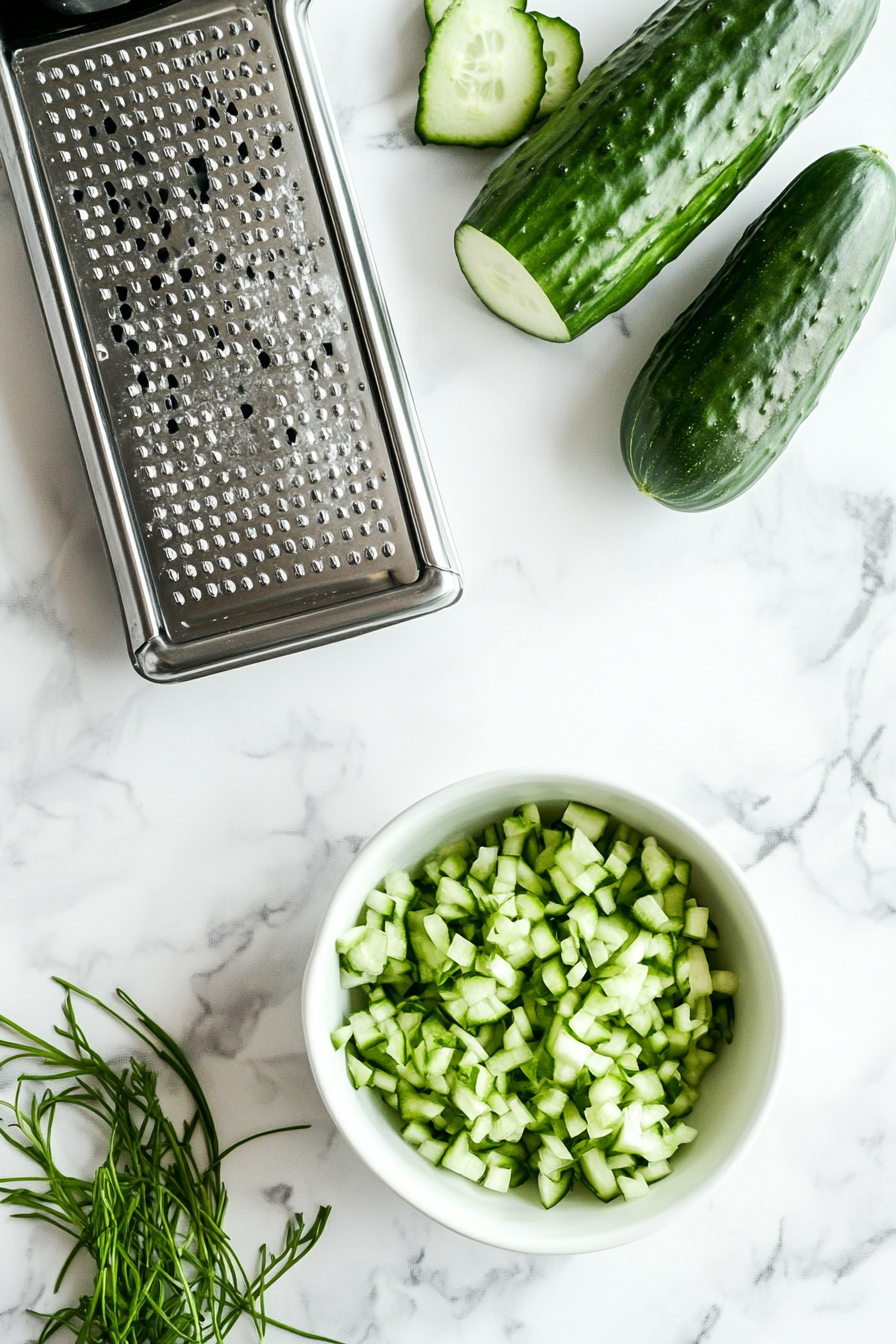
152 1216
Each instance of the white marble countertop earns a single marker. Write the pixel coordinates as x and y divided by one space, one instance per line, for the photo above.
182 841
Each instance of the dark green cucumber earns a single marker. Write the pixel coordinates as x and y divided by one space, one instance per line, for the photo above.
657 142
728 385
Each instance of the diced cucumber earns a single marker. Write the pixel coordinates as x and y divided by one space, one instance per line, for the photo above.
591 821
551 1189
594 1168
699 975
563 884
656 864
648 911
416 1134
632 1187
484 76
570 1025
696 922
460 1159
360 1073
498 1178
433 1150
563 58
724 982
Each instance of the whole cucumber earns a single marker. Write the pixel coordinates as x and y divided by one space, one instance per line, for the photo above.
655 144
730 382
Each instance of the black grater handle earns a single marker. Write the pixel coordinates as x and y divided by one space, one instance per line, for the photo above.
42 21
81 7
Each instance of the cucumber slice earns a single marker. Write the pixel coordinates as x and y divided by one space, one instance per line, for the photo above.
435 9
484 76
563 57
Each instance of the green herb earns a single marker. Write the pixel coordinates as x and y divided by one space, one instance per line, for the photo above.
151 1217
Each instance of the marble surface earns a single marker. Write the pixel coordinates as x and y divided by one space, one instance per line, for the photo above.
182 841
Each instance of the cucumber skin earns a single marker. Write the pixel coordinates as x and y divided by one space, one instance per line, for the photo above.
728 385
625 174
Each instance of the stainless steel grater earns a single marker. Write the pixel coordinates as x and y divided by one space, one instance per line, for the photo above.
242 408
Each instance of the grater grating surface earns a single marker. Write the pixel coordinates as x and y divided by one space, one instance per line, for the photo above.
249 431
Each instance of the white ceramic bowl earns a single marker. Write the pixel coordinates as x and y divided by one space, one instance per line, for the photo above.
736 1090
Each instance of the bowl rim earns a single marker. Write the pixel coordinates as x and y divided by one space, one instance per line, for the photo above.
354 1127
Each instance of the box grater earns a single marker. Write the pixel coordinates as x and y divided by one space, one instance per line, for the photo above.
242 409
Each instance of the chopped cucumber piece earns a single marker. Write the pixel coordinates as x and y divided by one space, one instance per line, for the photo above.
656 865
724 982
598 1174
589 820
632 1187
563 58
648 911
515 1034
551 1189
484 76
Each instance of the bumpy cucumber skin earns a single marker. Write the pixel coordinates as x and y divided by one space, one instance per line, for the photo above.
726 388
660 139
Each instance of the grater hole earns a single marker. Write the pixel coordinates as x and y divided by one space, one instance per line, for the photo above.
110 126
200 172
247 410
138 158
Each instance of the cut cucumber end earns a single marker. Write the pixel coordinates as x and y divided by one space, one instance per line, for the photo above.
506 287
